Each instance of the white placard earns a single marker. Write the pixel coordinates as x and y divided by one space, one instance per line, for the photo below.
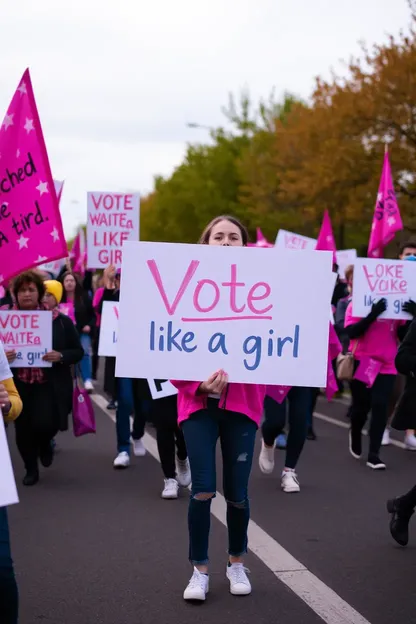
374 279
52 267
29 333
108 329
161 389
290 240
113 218
8 491
345 257
189 310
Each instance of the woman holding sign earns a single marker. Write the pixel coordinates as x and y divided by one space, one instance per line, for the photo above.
46 392
207 411
11 407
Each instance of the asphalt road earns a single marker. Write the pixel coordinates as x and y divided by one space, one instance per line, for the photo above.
93 545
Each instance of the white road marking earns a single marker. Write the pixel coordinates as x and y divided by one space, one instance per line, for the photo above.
330 607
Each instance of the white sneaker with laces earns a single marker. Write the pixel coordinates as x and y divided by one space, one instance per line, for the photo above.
183 472
410 441
290 482
171 489
386 437
239 583
139 448
266 458
122 460
88 386
198 586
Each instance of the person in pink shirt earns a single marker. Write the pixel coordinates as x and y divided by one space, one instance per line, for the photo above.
374 339
96 304
207 411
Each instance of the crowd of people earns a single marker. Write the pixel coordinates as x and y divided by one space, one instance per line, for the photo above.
189 424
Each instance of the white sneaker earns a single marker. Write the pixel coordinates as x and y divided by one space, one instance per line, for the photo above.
410 441
139 448
122 460
198 586
266 459
88 386
171 489
183 472
239 583
386 437
290 481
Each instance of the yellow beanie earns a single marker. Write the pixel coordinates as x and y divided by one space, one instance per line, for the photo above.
54 288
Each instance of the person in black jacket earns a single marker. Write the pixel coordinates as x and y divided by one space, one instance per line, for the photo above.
46 392
82 313
402 507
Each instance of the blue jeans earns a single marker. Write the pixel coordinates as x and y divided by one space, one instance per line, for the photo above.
237 434
128 403
299 400
9 599
85 364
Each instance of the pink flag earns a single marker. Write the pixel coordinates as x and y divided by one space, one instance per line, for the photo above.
30 223
278 393
326 240
261 240
367 370
331 382
387 219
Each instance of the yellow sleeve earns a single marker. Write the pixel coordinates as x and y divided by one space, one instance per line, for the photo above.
14 398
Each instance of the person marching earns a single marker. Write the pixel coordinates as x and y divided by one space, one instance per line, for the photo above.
11 407
207 411
46 392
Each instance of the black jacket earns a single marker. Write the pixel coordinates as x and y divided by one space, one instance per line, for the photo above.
405 414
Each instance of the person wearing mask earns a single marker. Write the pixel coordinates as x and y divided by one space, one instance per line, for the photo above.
11 407
298 405
407 252
209 410
402 507
375 338
46 392
131 396
78 305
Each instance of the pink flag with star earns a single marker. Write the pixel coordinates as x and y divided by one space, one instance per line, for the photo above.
326 240
261 240
387 219
31 230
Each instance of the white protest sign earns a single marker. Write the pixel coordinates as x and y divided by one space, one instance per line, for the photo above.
374 279
113 218
29 333
8 491
52 267
345 257
188 310
161 388
108 329
290 240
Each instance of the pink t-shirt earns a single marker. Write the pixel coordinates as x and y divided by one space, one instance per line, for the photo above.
98 295
379 342
68 309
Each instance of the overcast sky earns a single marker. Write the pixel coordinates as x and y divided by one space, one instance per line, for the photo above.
117 82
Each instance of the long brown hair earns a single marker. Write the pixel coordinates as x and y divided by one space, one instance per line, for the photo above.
204 239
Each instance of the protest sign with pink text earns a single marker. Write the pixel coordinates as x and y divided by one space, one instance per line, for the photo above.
108 329
30 222
113 219
290 240
29 334
374 279
205 307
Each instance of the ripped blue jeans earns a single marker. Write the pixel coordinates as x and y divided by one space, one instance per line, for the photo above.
237 434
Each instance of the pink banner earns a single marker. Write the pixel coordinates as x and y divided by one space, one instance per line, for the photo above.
30 222
326 240
387 219
278 393
261 241
367 371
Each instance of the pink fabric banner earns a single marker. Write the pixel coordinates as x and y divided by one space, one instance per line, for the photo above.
367 370
387 219
334 349
78 253
326 240
278 393
31 230
261 241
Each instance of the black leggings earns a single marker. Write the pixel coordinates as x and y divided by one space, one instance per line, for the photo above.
376 399
168 434
38 423
299 400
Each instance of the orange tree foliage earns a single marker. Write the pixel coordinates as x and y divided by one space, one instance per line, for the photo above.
302 158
